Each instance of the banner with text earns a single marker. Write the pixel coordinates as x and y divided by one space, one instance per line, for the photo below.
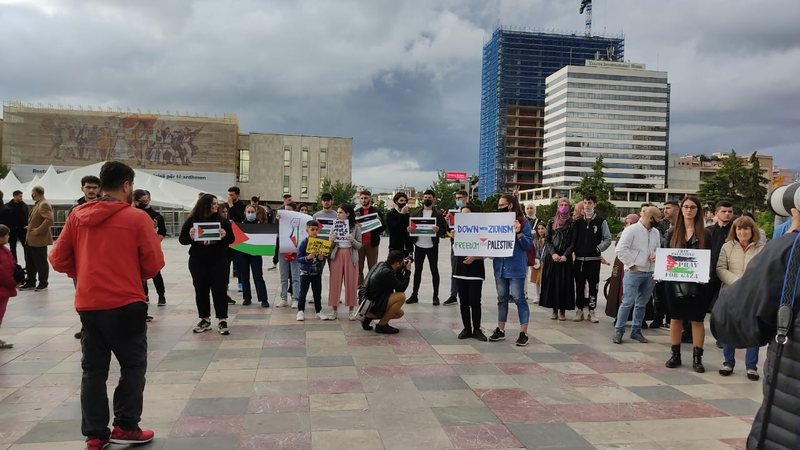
319 246
292 230
422 226
484 234
683 264
369 222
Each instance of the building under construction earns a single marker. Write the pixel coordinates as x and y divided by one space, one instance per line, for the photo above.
515 65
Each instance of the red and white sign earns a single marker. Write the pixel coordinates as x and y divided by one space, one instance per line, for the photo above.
457 176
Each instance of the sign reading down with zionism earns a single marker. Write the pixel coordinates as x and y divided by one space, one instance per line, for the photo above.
484 234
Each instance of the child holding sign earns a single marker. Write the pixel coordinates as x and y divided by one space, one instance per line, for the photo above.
310 273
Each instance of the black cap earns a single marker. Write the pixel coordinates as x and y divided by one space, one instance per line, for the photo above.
326 196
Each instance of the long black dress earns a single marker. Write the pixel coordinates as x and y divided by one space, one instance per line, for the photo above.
558 285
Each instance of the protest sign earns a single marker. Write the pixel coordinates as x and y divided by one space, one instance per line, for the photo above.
319 246
340 229
683 264
369 222
292 230
207 231
325 225
484 234
422 226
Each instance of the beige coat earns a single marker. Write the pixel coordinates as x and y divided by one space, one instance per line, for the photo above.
39 223
733 260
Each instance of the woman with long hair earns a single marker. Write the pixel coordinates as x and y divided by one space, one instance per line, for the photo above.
558 285
252 264
539 243
744 243
509 273
208 263
344 263
688 301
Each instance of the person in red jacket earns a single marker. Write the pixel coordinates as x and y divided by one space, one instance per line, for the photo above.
8 286
109 247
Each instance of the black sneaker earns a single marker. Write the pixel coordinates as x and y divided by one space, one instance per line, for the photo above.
522 340
231 301
40 288
365 324
465 334
413 299
386 329
265 304
162 300
498 335
79 334
223 328
148 318
203 325
478 334
27 286
247 302
435 301
450 301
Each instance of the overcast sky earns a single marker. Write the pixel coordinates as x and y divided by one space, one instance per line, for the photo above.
401 77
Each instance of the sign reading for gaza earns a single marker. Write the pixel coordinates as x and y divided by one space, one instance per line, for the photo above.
484 234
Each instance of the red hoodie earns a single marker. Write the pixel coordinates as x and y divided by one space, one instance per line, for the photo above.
109 247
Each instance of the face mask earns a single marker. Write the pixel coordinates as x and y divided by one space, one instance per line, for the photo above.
502 209
459 203
428 203
563 209
588 212
401 205
250 216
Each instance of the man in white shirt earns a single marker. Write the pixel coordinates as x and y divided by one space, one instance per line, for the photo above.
427 247
637 251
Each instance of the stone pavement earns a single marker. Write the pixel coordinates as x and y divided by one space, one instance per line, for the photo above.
278 383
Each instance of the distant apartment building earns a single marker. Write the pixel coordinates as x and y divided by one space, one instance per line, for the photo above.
271 165
515 65
617 110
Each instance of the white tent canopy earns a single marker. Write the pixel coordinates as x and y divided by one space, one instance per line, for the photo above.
65 188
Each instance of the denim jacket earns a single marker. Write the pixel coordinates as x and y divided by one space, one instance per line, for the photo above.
516 265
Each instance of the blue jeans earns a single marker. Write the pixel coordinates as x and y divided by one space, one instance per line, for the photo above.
248 264
637 287
289 271
750 357
508 289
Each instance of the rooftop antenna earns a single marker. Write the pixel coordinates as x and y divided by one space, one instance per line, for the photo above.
586 5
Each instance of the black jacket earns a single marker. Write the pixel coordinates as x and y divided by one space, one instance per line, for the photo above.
397 225
440 222
591 237
476 269
746 316
18 217
213 251
374 235
236 212
718 237
161 226
382 282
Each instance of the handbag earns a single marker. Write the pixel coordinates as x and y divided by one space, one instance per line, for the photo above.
532 256
684 290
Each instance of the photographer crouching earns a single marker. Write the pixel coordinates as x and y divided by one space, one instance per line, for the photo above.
385 285
760 310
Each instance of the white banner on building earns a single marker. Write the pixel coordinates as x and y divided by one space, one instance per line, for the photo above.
484 234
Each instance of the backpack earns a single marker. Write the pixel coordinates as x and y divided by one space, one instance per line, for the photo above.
19 273
365 304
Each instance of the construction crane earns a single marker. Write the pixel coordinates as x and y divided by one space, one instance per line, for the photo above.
586 5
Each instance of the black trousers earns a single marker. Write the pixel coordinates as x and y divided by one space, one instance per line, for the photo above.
123 332
586 271
158 282
660 309
16 235
433 260
210 276
315 283
469 296
36 265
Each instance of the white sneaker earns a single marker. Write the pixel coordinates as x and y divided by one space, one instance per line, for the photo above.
321 316
301 316
294 304
352 316
282 304
333 315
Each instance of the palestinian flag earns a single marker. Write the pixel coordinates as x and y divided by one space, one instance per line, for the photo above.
257 239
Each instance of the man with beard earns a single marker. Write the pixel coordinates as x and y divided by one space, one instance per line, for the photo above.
371 240
141 199
90 186
428 247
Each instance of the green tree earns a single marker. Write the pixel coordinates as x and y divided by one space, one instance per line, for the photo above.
445 192
4 171
342 192
490 203
547 212
754 190
739 183
595 183
766 221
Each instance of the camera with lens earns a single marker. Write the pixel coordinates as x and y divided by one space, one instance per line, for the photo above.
408 260
784 198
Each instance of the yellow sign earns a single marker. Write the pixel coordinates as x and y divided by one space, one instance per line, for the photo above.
319 246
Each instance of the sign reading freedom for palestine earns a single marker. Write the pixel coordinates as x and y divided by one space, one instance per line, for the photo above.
484 234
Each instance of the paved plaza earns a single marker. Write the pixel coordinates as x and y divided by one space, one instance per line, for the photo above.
278 383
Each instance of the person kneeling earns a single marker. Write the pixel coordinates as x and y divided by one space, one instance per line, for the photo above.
385 284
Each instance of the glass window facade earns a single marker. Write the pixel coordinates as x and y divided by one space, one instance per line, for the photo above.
243 175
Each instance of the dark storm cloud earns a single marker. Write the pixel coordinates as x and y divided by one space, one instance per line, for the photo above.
401 78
